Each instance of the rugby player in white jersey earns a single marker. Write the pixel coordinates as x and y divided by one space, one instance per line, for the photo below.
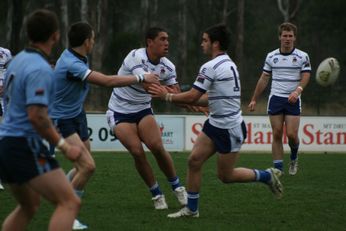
289 69
131 118
5 57
217 86
72 79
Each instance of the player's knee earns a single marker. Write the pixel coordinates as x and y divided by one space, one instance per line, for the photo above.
90 168
87 168
225 178
277 134
73 203
155 147
194 162
137 153
292 136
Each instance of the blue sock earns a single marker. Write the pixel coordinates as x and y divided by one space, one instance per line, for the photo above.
294 150
192 201
262 175
155 190
279 164
174 182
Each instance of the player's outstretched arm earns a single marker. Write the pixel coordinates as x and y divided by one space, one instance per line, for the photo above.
191 97
120 81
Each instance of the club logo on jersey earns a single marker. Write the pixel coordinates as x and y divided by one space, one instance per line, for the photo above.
200 78
275 60
294 60
162 71
39 91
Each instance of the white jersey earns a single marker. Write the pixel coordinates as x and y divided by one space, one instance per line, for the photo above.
5 57
134 98
220 79
286 69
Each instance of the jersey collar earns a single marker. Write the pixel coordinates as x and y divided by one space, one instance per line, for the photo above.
38 51
81 57
285 54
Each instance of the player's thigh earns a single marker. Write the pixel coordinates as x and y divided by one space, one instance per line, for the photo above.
226 162
25 195
149 132
276 122
127 133
292 124
202 150
54 187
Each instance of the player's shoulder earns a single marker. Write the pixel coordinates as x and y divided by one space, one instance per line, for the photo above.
300 53
5 50
137 53
166 62
217 61
273 53
5 53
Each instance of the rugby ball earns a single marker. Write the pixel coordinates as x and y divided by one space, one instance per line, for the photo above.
327 72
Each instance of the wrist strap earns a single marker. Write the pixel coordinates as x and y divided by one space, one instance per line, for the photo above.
60 143
140 78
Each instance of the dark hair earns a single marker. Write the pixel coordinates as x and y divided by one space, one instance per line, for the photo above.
219 33
152 33
41 24
78 33
287 26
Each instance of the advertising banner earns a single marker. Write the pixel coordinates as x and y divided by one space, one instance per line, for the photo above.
102 139
317 134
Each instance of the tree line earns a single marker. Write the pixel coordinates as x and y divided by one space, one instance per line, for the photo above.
120 25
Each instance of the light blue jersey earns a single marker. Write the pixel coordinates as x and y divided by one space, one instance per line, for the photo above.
28 81
71 87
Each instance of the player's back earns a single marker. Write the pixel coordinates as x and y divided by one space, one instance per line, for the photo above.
28 81
220 78
71 87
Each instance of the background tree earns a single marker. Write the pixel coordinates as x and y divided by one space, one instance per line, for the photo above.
119 26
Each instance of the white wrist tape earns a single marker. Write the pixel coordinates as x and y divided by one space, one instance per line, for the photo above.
60 143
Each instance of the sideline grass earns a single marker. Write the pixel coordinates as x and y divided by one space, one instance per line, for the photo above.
117 199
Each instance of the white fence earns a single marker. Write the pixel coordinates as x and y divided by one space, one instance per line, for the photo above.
317 134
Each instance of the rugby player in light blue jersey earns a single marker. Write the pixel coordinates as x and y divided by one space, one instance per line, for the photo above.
72 76
131 118
217 86
290 70
25 162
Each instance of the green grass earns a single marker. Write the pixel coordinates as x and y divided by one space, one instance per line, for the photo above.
117 199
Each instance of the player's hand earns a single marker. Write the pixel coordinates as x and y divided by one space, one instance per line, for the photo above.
252 105
171 89
158 91
293 97
151 78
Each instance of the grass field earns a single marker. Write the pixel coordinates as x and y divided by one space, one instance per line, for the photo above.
117 199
